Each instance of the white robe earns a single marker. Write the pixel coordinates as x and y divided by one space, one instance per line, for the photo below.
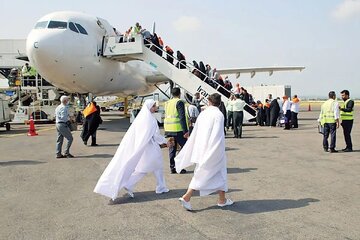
139 151
206 148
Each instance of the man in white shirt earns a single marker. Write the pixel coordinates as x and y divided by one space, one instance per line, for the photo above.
295 105
238 115
286 111
329 119
63 130
193 114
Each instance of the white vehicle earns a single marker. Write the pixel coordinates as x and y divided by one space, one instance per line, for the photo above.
42 101
138 102
4 114
82 53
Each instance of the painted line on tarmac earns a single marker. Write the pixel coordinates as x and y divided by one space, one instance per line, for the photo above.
25 134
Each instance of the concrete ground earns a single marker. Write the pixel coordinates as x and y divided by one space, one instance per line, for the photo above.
284 187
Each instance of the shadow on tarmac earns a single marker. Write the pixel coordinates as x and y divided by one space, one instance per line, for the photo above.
149 196
96 156
107 145
261 206
240 170
20 162
230 149
261 137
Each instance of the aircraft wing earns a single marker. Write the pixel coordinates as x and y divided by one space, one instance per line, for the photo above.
157 78
253 71
23 58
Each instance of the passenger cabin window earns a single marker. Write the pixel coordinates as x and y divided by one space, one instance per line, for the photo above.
81 29
57 24
72 27
40 25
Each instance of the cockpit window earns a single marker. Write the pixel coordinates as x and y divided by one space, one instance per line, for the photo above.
41 25
72 27
81 29
57 24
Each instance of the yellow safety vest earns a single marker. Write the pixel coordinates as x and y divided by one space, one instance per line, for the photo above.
327 112
346 115
172 120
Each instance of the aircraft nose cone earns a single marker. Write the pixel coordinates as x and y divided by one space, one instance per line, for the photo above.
40 49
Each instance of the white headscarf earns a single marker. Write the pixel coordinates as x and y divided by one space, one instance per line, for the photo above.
129 152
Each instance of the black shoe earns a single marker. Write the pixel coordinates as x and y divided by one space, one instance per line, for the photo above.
85 143
173 171
69 155
333 151
347 150
183 171
60 156
326 150
94 145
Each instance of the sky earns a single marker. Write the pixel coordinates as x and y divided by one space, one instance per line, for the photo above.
322 35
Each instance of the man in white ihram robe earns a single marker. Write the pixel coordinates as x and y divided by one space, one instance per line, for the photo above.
206 148
138 154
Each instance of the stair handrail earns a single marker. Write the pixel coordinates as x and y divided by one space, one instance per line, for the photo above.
227 93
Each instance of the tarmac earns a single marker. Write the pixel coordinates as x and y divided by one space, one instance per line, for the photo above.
282 182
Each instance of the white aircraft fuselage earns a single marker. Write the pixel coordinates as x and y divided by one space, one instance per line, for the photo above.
65 49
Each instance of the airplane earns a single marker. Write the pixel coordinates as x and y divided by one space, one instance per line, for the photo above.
66 49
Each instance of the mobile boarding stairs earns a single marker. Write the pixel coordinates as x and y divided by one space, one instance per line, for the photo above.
141 49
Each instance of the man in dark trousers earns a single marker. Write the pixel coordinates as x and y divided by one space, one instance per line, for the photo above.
347 118
329 119
274 112
238 115
176 125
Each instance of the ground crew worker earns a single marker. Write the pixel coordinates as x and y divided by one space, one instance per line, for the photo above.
169 55
347 118
137 28
176 125
28 72
329 119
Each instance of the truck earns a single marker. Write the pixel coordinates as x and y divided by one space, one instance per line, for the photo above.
4 114
136 105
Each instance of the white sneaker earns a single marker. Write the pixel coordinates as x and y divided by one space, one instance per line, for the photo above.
228 202
166 190
185 204
129 193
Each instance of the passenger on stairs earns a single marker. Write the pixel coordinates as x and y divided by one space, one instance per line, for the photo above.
127 36
181 60
161 44
202 70
220 81
227 84
209 71
156 48
170 54
146 35
196 71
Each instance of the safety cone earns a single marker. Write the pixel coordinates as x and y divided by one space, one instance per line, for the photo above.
309 108
32 130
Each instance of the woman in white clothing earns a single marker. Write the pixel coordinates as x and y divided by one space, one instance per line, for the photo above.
138 154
